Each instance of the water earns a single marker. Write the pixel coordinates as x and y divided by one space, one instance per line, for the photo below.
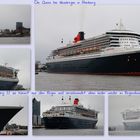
51 81
80 132
63 132
14 40
125 133
120 131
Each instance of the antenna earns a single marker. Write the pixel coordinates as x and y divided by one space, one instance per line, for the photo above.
62 100
120 25
5 64
70 99
89 106
62 40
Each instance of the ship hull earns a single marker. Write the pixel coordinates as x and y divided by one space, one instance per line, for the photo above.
7 85
6 113
68 123
132 125
123 64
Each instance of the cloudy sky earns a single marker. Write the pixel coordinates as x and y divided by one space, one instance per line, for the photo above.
118 104
18 59
52 23
17 100
88 101
10 14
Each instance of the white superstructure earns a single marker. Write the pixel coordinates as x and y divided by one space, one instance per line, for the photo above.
131 119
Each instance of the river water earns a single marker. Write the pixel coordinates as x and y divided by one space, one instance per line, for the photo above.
50 81
14 40
63 132
125 133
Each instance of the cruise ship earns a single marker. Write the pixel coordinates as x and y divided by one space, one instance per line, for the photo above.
7 113
131 119
8 78
116 52
70 117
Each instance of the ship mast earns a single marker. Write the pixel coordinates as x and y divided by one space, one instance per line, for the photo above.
120 25
62 100
5 64
70 100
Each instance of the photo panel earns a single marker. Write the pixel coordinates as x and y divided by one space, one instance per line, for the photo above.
124 115
90 50
14 115
15 69
15 26
73 115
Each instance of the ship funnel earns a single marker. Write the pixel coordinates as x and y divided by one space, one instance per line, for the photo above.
79 37
76 100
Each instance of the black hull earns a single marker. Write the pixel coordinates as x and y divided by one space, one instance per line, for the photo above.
125 64
7 85
68 123
6 114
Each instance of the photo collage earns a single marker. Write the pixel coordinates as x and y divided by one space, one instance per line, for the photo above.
69 69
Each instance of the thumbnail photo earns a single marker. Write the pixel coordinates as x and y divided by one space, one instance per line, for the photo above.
15 68
14 115
124 115
90 50
15 24
68 115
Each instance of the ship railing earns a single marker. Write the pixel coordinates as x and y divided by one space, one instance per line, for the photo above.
53 114
7 77
88 115
81 54
129 118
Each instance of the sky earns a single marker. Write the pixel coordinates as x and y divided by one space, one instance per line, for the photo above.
18 58
88 101
10 14
21 117
52 23
120 103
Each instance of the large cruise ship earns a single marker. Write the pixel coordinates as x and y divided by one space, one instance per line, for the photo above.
7 113
131 119
116 52
70 117
8 78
